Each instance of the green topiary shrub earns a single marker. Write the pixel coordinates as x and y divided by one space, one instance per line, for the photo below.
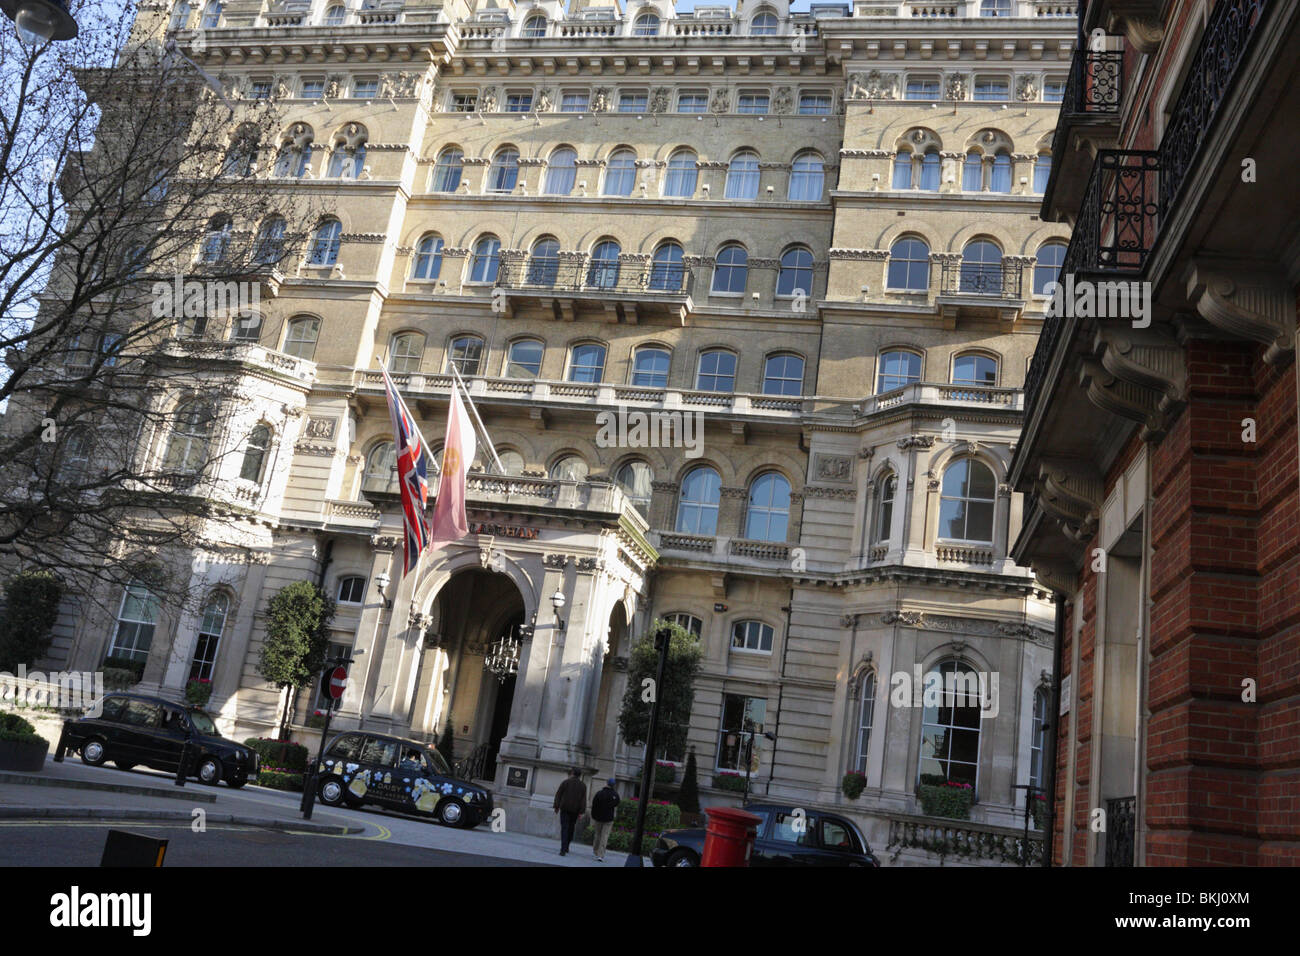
952 800
279 754
447 743
277 778
853 784
688 797
31 606
15 728
734 782
665 773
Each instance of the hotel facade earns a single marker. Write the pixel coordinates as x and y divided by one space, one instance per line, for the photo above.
795 258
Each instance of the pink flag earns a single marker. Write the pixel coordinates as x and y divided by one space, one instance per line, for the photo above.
449 522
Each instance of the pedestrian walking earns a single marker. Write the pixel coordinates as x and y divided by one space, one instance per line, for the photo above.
603 805
570 802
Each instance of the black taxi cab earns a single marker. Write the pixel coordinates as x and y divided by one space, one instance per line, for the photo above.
360 767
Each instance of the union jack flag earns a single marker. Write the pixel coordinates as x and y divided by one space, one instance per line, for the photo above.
412 473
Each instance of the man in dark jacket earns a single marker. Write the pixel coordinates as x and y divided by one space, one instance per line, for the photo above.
602 817
570 802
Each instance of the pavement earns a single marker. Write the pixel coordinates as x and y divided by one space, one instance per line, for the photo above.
84 796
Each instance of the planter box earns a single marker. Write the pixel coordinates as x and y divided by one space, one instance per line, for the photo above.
23 756
951 802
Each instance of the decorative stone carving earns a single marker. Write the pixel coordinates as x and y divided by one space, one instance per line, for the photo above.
543 100
488 101
417 620
817 491
659 100
1072 492
322 428
1247 302
600 100
721 102
383 542
955 86
878 255
906 618
1016 629
587 564
916 441
783 102
729 492
1027 88
555 560
833 468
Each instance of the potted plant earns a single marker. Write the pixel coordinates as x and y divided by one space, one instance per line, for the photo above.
729 780
21 748
941 797
1038 810
198 691
665 772
853 784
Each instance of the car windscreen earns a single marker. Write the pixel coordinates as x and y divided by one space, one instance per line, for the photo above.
203 724
438 763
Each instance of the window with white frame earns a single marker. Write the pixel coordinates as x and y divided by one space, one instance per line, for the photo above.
428 258
1047 265
693 101
650 367
753 101
300 338
731 270
365 88
503 174
519 101
187 448
136 618
992 89
767 516
783 374
620 173
742 176
680 179
717 371
753 636
866 715
922 88
380 475
326 242
667 268
795 277
763 25
561 172
632 101
896 369
966 501
646 25
524 360
686 621
950 727
485 260
634 478
352 589
697 503
1038 738
212 622
574 101
404 353
814 104
887 491
570 468
909 265
534 27
255 449
466 354
975 369
587 363
742 722
807 177
447 171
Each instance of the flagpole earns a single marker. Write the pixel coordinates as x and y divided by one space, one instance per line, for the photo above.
428 449
474 411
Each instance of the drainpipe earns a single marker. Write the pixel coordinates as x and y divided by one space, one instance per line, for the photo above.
1049 845
780 692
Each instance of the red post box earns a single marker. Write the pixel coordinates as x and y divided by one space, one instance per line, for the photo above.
729 836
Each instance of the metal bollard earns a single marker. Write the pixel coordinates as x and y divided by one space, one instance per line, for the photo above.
62 748
183 765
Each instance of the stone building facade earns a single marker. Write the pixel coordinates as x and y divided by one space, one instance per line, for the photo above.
809 241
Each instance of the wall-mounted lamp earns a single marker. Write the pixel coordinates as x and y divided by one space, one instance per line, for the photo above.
558 602
382 580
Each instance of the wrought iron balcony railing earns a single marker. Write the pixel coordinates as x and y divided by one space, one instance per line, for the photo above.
597 277
1092 89
1120 819
1000 280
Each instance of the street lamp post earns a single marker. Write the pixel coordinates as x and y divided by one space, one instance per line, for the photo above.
40 21
663 639
309 779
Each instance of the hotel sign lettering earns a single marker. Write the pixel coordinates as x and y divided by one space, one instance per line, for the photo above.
501 530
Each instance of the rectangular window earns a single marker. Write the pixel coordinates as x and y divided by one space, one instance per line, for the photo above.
632 102
260 90
991 89
574 102
692 101
814 104
922 89
464 102
752 103
365 89
519 102
313 89
742 722
1053 91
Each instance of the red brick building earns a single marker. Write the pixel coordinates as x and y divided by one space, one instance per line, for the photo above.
1159 455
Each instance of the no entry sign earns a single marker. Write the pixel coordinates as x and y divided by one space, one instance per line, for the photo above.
338 682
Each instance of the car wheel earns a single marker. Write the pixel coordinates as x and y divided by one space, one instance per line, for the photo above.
93 752
209 771
124 765
332 792
682 858
452 812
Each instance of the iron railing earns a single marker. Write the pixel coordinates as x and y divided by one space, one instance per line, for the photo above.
1003 280
476 764
1120 816
595 277
1092 88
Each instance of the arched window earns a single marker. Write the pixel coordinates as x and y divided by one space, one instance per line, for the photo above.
247 327
909 265
620 173
783 374
763 25
561 172
634 477
887 490
466 354
950 727
211 624
511 461
212 15
447 171
717 371
697 505
1047 268
255 449
687 621
732 270
240 157
187 449
587 363
136 618
381 469
972 172
966 501
767 518
681 177
524 359
325 244
348 158
752 636
503 174
742 176
995 8
981 268
75 455
216 241
486 260
897 369
650 367
602 272
1042 172
866 713
807 178
428 258
404 353
1038 739
300 338
974 369
796 272
334 15
534 27
180 16
667 272
570 468
352 589
1000 175
544 262
269 249
930 167
902 170
294 157
646 25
